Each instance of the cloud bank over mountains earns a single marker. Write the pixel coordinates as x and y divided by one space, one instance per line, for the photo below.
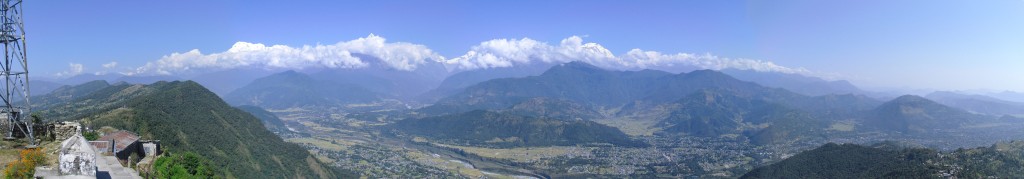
497 53
500 53
398 55
507 53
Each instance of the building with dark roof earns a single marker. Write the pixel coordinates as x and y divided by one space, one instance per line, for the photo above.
123 144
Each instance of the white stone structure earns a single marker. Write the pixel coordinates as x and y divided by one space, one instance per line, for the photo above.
77 157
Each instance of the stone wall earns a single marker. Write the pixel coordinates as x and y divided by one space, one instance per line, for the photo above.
64 130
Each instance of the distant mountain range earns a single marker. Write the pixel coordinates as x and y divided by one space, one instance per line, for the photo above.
294 89
67 93
1006 95
184 116
978 103
716 103
40 87
114 78
383 79
577 82
224 82
700 103
459 81
811 86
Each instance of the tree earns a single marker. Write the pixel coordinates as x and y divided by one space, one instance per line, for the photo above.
36 119
90 135
186 165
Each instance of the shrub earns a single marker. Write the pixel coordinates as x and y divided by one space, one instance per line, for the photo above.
187 165
26 166
91 135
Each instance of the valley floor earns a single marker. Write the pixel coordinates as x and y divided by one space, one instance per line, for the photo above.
356 145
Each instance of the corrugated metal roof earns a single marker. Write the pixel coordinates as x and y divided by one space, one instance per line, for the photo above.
121 139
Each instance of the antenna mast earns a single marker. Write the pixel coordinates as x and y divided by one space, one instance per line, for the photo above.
15 94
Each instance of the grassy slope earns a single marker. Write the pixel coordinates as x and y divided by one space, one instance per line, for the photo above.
187 117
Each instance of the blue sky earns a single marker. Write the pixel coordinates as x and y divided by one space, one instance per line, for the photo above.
934 44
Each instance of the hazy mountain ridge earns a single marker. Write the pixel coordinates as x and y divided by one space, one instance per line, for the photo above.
582 83
40 87
499 129
224 82
577 82
457 82
294 89
806 85
381 78
977 103
915 114
68 93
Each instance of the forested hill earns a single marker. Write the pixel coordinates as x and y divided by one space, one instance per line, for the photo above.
849 161
187 117
497 129
1001 160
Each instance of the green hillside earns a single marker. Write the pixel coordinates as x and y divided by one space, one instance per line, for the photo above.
715 112
184 116
554 108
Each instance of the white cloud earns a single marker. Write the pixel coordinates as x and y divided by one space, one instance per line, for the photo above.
641 59
505 53
497 53
106 67
73 69
399 55
110 65
509 52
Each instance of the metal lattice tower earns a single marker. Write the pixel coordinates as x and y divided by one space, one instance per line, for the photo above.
16 106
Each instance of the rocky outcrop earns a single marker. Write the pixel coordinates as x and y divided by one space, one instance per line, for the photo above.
77 157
